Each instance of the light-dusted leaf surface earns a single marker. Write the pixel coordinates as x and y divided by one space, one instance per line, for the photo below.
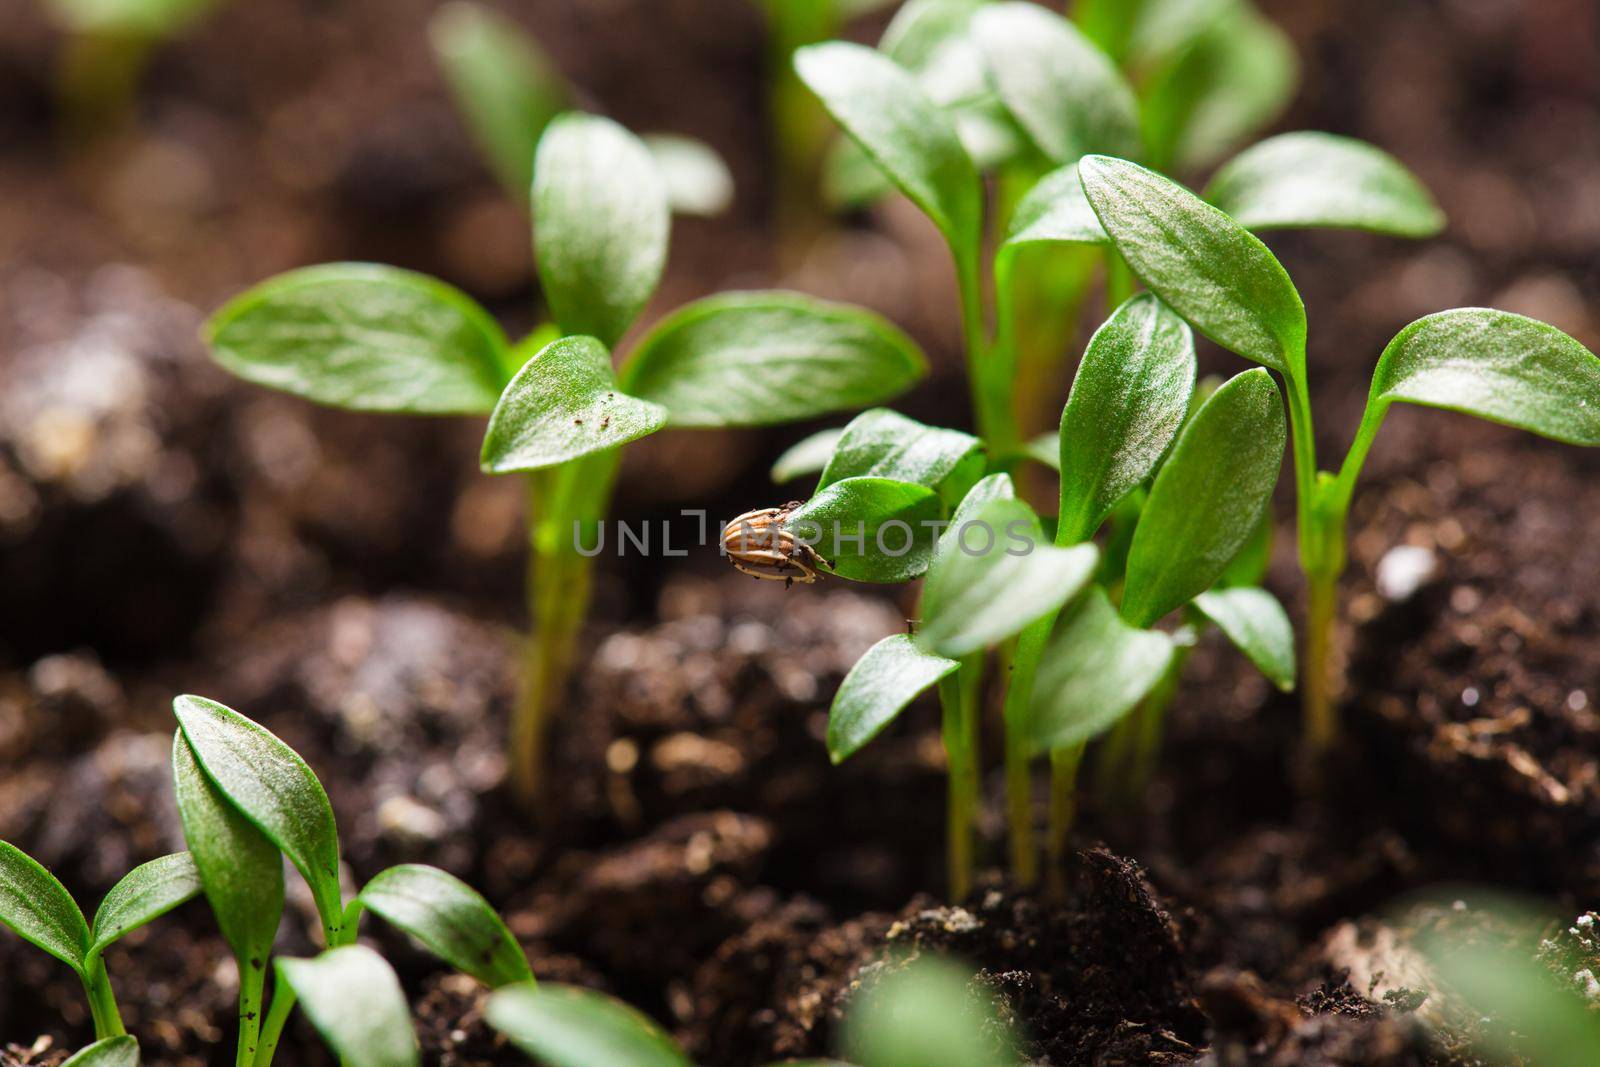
921 29
564 403
1207 267
507 89
366 337
241 870
1066 93
119 1051
878 688
39 909
354 1000
1055 210
1257 625
143 895
885 444
931 1013
881 106
1000 575
600 223
1249 567
1208 498
565 1026
272 786
757 358
1310 179
451 918
1498 366
809 455
1129 398
871 529
698 181
1094 671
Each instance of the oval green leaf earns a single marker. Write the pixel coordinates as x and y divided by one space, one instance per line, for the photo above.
878 688
883 108
1257 625
504 85
354 1000
565 1026
143 895
871 529
365 337
753 359
39 909
1128 401
564 403
1095 670
1310 179
600 221
1066 93
1208 498
698 181
809 455
1211 270
997 580
452 919
1055 210
272 786
1498 366
885 444
119 1051
920 29
932 1012
241 870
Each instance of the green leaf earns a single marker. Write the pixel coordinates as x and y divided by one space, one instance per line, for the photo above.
565 1026
881 106
39 909
1229 81
1045 449
1497 366
998 580
143 895
1129 399
753 359
451 919
1055 210
600 221
877 689
505 86
119 1051
885 444
1249 567
1257 624
1095 670
1208 499
1319 179
563 404
698 181
809 455
930 1013
871 529
241 870
354 1000
272 786
1066 93
365 337
921 29
147 19
1210 269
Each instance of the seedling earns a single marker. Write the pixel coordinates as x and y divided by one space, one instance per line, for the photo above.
509 90
1211 270
107 46
374 338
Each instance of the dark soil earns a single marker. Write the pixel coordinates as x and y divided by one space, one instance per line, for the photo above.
352 582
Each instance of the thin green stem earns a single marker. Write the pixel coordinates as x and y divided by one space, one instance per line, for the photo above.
1150 719
990 380
1018 749
252 988
272 1029
1064 763
1321 718
97 79
959 705
102 999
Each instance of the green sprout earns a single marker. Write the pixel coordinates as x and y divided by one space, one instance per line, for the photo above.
374 338
1207 266
108 44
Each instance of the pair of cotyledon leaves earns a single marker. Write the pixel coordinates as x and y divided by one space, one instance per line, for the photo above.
375 338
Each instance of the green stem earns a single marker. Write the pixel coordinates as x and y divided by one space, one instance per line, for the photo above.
252 988
958 701
1018 749
1150 719
1322 605
272 1028
102 999
989 378
1064 763
97 79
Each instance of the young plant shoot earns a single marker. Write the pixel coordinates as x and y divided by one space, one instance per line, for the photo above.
373 338
1200 258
